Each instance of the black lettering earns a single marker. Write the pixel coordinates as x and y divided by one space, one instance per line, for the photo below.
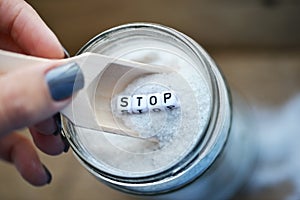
167 95
153 100
124 101
139 102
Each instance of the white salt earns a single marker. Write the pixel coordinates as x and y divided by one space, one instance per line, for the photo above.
177 130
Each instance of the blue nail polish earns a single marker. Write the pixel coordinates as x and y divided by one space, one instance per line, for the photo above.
49 176
57 121
64 80
66 53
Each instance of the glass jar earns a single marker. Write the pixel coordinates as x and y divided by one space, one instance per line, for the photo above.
204 149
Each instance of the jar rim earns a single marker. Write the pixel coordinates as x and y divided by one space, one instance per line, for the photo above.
189 160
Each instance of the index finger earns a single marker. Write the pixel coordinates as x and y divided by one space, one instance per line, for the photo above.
25 27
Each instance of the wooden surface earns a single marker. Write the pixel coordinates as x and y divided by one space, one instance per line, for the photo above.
214 23
256 44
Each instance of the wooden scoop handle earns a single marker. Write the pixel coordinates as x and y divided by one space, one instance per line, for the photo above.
81 111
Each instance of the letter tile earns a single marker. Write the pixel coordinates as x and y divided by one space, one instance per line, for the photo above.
169 100
154 102
139 103
124 104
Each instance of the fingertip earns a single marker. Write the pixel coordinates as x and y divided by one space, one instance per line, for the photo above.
46 127
27 162
49 144
41 177
50 126
29 31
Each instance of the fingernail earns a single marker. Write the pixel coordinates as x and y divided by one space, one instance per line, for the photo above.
48 174
64 80
66 53
57 121
67 147
66 143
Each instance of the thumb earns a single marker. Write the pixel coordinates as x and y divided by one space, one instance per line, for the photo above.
35 93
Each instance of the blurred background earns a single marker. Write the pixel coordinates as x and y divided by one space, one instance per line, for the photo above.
256 44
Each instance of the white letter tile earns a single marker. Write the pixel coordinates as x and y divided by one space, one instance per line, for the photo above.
154 102
124 104
169 100
139 104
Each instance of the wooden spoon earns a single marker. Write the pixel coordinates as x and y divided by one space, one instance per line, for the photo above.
97 70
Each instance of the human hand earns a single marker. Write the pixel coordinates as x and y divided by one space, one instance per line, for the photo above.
30 97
